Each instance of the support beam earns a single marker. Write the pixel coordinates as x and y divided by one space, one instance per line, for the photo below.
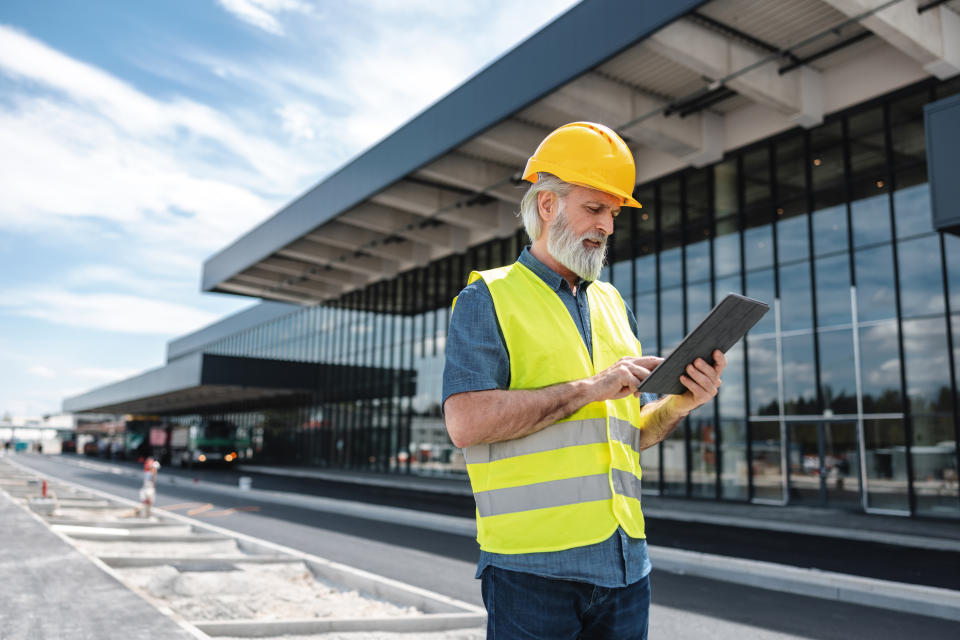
338 234
932 37
697 139
512 140
442 205
476 175
316 253
392 221
798 94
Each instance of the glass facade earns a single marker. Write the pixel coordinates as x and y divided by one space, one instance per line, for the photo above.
845 395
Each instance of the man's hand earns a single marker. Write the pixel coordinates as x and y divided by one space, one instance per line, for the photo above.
702 382
622 378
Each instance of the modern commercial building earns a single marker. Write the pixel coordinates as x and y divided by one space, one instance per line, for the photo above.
803 152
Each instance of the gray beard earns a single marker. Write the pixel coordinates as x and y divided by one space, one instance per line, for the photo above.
569 250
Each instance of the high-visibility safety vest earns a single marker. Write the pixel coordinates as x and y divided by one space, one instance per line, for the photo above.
574 482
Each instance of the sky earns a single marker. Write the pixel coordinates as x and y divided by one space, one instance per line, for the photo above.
140 138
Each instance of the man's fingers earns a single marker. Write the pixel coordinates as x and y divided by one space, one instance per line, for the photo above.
649 362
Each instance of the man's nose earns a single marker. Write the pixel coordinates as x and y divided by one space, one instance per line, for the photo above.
605 224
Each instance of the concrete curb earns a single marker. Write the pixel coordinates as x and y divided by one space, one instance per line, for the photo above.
408 624
440 612
897 596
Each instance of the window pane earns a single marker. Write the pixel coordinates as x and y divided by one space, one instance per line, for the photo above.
876 299
758 245
698 303
623 279
646 314
833 291
762 361
698 261
830 230
731 394
837 375
671 317
675 462
952 253
766 465
826 144
796 304
880 364
650 468
912 210
799 382
886 464
921 277
760 286
671 267
727 285
703 454
733 472
726 253
871 220
792 239
646 273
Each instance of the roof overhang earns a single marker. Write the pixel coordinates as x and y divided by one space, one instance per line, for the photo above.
683 82
204 382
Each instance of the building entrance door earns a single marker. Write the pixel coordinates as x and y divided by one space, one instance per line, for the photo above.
824 463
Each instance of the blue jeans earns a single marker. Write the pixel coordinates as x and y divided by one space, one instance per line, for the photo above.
523 606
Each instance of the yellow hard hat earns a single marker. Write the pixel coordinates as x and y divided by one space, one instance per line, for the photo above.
589 154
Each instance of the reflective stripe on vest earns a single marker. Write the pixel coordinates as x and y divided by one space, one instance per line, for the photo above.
574 482
556 493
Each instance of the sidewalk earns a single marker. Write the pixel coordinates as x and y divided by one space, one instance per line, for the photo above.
51 591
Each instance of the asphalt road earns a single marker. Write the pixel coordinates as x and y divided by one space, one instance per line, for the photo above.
684 607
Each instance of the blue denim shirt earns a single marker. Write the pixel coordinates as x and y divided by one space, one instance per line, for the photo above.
477 360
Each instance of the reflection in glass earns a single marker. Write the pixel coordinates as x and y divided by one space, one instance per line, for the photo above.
880 368
671 317
837 375
793 242
826 151
760 287
830 230
833 291
934 457
730 284
646 273
726 253
703 453
762 361
886 466
650 469
871 220
841 464
799 381
758 245
876 298
921 280
951 244
675 462
912 211
698 303
927 365
646 314
671 267
803 459
733 471
731 394
796 303
765 462
622 273
698 261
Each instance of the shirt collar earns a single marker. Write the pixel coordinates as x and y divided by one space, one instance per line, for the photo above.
553 279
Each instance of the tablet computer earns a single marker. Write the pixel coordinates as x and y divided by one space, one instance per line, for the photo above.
721 329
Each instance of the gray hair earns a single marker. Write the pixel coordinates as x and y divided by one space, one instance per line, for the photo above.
529 207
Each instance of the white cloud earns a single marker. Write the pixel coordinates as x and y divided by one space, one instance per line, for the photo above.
259 13
105 311
41 371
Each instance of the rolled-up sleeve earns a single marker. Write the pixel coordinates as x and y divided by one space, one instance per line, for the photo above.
476 354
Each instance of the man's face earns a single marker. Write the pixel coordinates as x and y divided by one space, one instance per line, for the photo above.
578 233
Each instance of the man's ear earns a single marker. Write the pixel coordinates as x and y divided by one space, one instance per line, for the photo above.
547 202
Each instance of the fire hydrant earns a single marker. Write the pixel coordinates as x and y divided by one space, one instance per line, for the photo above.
148 492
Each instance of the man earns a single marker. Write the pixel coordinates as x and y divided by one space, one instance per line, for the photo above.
540 385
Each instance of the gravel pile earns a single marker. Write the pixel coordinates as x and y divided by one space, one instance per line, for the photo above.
254 592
